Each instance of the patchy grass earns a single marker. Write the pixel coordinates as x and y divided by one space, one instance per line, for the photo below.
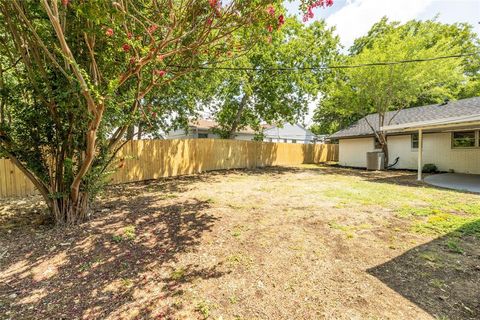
129 233
434 211
204 308
453 246
312 242
178 274
441 223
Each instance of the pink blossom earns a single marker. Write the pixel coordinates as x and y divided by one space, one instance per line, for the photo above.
271 10
160 73
109 32
152 28
320 3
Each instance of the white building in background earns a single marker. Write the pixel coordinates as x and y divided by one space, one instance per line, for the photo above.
289 133
203 129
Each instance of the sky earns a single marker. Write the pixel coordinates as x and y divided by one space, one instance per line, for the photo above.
353 18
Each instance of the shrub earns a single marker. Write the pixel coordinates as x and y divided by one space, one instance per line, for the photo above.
430 168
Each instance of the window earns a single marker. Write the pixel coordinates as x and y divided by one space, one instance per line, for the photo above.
464 139
202 135
285 140
270 140
294 141
414 138
377 144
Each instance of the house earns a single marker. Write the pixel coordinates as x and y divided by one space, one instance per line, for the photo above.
446 135
203 128
289 133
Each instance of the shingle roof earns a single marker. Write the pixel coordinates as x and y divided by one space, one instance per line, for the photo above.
206 124
464 107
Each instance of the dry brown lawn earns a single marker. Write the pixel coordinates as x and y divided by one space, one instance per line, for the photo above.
310 242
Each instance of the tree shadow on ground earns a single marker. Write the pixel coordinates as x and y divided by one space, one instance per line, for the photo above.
442 276
30 211
119 263
182 183
398 177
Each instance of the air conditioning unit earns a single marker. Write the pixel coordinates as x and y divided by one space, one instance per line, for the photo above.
375 160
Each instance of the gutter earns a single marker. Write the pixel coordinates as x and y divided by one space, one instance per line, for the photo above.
433 124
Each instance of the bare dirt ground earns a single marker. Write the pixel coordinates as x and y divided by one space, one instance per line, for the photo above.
280 243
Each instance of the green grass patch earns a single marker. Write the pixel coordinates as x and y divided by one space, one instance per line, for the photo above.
129 233
178 274
117 238
429 256
349 230
433 211
437 283
418 211
337 226
453 246
127 283
239 259
442 223
361 193
204 308
85 266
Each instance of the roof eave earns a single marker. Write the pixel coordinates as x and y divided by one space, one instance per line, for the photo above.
435 124
352 136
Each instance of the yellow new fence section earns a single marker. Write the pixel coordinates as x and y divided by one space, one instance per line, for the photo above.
152 159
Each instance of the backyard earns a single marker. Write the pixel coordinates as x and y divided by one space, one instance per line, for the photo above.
306 242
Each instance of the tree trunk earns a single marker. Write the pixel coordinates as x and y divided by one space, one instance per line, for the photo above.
2 108
383 142
386 158
66 212
238 116
139 133
130 132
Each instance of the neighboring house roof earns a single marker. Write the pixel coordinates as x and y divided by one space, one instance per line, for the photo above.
289 131
204 124
452 109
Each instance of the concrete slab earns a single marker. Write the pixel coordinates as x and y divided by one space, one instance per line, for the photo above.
456 181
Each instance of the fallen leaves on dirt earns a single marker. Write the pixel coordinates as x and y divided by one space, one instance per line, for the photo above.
278 243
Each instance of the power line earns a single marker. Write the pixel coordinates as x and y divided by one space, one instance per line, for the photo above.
373 64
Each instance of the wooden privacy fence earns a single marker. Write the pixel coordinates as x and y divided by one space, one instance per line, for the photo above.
152 159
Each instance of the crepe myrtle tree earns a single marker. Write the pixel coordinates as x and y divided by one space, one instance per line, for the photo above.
239 99
75 74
